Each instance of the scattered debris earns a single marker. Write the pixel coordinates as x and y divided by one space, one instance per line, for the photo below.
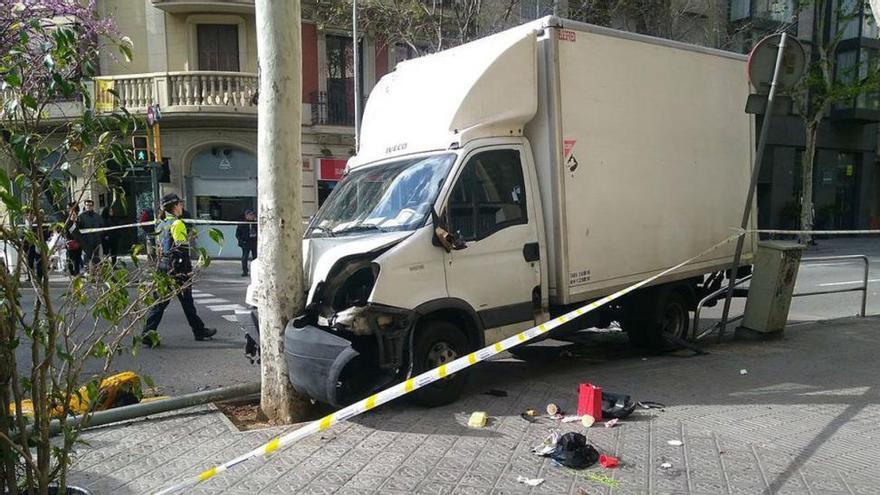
529 481
477 420
529 415
743 371
590 400
601 478
573 451
548 445
647 404
611 423
496 392
675 443
553 410
616 405
571 419
587 420
608 461
666 465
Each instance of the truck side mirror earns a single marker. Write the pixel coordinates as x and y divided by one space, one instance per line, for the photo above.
443 237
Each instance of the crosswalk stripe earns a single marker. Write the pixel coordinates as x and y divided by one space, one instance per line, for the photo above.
201 295
226 307
229 318
216 300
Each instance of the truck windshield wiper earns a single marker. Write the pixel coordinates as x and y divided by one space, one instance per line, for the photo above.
322 230
359 228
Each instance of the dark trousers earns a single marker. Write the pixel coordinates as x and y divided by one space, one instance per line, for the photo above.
92 252
74 261
35 262
247 249
154 316
111 248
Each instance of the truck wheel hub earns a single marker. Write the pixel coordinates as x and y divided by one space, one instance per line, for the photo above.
441 353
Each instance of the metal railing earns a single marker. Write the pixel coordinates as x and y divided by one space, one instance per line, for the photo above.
331 108
820 259
178 91
863 288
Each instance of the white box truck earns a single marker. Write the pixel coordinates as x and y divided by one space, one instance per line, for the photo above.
502 182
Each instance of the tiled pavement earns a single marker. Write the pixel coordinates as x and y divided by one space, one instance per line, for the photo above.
805 418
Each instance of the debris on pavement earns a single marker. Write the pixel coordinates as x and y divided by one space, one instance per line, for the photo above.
600 478
587 420
611 423
571 419
529 481
547 446
477 420
648 404
666 465
609 462
743 371
496 393
616 405
573 451
590 400
675 443
529 415
554 412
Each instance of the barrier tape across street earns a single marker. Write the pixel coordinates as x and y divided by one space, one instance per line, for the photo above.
424 379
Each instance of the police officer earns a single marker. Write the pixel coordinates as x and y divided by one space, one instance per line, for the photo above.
174 259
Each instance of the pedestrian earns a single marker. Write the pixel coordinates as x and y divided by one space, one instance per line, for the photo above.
57 249
110 240
174 260
34 256
89 219
246 234
74 239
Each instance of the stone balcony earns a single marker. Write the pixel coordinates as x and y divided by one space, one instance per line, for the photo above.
213 6
188 93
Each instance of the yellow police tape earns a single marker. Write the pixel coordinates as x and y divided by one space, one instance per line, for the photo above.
424 379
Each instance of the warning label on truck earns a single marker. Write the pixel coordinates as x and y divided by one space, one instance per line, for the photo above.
567 35
578 278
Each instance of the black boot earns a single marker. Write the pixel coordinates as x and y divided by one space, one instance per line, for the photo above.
150 339
204 333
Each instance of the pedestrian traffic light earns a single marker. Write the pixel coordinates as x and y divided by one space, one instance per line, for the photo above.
139 150
165 170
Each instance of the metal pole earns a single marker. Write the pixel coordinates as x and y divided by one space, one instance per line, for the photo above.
756 168
125 413
865 289
357 88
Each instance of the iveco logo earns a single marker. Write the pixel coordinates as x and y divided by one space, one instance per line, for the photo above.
396 147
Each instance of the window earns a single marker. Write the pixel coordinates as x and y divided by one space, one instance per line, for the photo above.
340 79
489 195
218 47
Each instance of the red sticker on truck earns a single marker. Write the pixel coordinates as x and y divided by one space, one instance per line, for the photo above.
567 35
567 147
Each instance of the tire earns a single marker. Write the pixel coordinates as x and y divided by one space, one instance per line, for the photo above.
658 322
439 342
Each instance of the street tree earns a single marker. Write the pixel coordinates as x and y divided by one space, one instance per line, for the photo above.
279 165
825 84
56 351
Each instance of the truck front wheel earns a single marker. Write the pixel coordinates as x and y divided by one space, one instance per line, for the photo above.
437 343
658 321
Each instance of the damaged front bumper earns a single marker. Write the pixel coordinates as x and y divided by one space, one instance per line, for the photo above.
341 361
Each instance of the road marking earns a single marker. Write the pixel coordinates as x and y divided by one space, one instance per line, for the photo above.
226 307
197 295
216 300
229 318
832 284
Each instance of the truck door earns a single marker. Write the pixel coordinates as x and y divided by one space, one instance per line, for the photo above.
490 209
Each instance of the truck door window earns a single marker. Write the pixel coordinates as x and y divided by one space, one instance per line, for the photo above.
489 195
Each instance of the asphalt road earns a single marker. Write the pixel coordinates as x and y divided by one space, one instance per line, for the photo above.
183 365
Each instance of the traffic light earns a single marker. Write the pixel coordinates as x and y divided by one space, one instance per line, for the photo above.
140 152
165 171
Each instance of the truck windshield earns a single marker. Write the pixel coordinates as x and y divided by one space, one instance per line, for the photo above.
389 197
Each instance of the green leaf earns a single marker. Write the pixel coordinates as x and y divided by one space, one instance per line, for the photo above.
204 259
29 101
216 235
13 79
148 381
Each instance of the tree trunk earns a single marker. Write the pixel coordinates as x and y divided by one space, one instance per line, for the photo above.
279 183
809 157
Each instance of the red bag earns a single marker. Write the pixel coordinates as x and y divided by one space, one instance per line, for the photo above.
590 401
608 461
72 245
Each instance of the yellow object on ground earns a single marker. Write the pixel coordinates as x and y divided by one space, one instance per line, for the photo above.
121 389
477 420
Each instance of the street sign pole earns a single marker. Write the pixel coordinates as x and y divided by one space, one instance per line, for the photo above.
756 168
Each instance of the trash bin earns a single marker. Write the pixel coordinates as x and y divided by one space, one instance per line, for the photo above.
770 291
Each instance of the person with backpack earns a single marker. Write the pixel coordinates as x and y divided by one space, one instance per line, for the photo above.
174 260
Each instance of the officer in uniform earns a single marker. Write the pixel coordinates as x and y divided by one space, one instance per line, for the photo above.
174 259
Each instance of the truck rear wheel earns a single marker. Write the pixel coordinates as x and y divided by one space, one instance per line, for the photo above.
658 322
439 342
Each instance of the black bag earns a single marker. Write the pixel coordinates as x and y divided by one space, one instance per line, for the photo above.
573 451
616 405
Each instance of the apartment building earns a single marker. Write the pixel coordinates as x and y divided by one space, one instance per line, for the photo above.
198 61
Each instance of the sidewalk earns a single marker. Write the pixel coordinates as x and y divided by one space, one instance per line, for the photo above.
805 418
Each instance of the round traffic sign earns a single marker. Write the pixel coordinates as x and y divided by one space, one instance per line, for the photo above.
762 61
